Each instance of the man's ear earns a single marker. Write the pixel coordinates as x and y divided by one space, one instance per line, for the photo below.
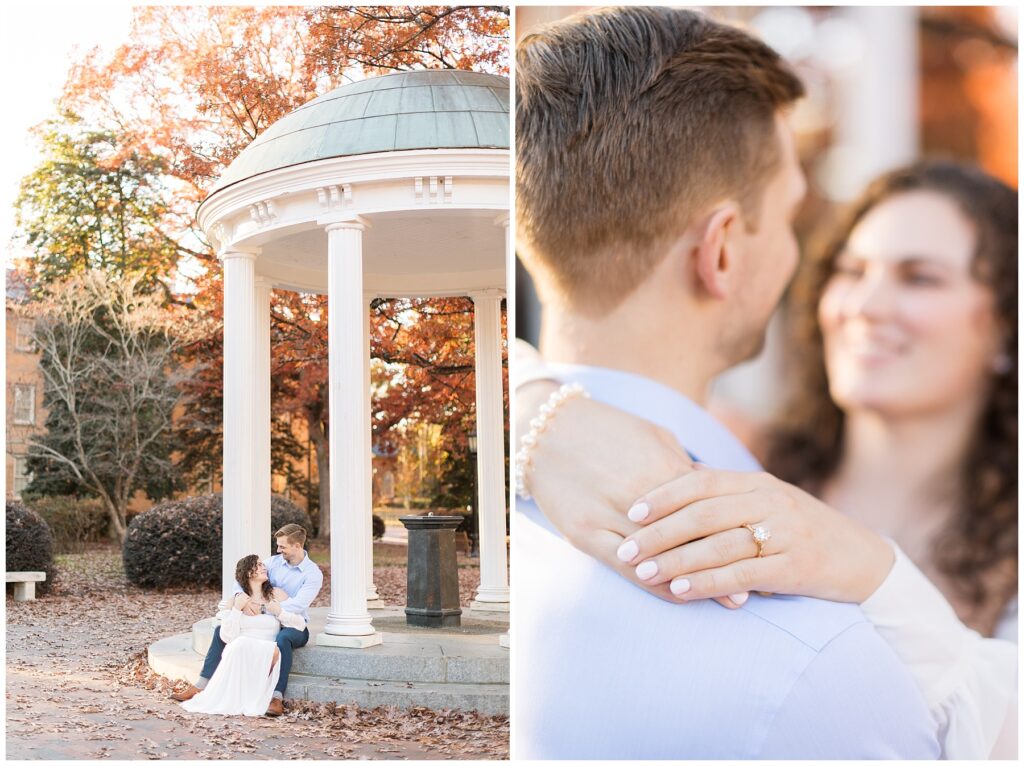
714 255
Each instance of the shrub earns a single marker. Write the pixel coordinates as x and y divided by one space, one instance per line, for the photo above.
378 527
73 521
180 542
29 544
176 543
284 511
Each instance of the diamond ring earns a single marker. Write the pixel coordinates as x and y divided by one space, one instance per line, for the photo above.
761 536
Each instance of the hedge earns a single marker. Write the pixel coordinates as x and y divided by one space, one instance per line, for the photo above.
29 544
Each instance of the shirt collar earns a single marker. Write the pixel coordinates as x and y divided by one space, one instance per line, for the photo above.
305 558
703 436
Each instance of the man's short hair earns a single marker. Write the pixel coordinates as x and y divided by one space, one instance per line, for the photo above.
630 121
293 532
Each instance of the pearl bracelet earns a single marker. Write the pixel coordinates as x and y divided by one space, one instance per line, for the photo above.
538 424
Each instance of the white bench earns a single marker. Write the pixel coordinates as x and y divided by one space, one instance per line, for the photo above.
25 584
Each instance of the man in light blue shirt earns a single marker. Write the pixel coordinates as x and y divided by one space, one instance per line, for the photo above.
294 572
656 182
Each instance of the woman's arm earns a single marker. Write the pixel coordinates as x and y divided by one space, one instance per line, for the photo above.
288 619
968 682
230 625
588 465
699 534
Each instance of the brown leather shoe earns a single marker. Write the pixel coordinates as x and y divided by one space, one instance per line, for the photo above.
188 694
276 706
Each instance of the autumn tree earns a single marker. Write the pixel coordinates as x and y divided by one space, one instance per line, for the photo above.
194 86
429 346
95 202
111 383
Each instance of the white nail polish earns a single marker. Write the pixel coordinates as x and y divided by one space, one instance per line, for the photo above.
639 512
647 570
679 586
628 550
739 599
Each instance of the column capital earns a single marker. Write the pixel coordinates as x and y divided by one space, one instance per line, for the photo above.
490 292
264 282
236 252
343 221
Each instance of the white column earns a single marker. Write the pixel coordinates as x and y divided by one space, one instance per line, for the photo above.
261 417
241 537
493 593
879 76
505 639
372 598
348 622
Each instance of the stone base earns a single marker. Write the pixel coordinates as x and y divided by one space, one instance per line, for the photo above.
444 618
460 668
24 591
376 604
349 642
504 640
489 606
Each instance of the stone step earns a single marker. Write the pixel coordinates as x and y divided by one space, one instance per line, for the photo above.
407 670
398 661
488 699
418 655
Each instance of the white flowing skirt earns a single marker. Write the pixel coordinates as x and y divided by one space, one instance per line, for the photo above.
243 682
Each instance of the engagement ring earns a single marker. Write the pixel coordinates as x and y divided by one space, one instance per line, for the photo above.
761 536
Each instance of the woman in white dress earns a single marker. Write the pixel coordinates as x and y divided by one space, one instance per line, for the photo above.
250 666
906 423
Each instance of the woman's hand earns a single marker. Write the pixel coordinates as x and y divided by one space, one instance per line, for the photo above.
588 466
693 539
274 605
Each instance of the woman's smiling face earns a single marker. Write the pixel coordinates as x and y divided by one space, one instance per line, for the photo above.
907 326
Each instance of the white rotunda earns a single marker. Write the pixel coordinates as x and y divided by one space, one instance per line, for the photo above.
396 186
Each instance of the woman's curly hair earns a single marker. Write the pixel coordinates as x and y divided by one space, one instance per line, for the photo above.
245 569
980 540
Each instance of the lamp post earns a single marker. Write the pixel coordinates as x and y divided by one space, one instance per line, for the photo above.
474 520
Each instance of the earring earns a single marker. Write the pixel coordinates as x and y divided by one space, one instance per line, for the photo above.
1002 364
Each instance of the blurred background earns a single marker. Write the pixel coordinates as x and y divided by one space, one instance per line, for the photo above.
885 86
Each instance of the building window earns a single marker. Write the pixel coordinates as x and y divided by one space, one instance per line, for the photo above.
22 477
24 404
23 339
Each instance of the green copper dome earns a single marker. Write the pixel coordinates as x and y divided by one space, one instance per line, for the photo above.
426 109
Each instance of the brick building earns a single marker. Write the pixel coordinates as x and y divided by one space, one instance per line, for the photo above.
25 414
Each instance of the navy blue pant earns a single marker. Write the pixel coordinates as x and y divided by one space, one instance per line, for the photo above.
288 639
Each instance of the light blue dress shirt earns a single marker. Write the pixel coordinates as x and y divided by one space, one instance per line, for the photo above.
301 582
606 670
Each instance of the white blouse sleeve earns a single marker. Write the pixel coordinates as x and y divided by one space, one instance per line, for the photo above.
230 625
967 681
291 620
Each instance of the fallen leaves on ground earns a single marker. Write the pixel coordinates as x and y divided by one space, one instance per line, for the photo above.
79 685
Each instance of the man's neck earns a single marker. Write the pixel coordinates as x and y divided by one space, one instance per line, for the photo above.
297 561
639 342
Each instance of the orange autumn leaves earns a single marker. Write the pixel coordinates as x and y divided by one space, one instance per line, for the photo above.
191 88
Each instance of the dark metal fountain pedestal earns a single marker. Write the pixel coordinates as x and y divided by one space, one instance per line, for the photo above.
432 571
